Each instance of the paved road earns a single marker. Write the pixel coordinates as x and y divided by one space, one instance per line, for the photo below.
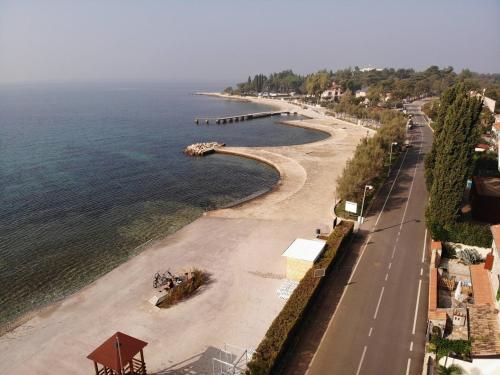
379 324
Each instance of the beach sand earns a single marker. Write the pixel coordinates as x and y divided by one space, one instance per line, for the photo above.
240 247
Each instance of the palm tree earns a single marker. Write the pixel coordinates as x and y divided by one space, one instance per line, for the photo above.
451 370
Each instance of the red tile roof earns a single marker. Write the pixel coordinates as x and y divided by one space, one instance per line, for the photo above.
436 245
481 285
107 353
433 289
484 331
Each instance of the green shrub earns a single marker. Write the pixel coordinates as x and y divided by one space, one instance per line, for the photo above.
185 289
460 348
468 233
472 234
281 330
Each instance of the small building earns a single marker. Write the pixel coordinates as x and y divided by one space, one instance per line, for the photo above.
485 199
361 93
333 93
117 355
300 257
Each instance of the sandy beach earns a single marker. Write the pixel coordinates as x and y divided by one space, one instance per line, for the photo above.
240 247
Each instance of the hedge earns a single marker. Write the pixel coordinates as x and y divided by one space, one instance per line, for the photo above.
467 233
281 330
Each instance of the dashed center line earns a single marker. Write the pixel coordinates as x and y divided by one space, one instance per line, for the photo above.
378 304
390 265
361 361
386 276
411 346
423 251
421 271
416 306
370 333
408 366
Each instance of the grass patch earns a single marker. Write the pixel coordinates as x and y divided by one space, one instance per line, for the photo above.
186 289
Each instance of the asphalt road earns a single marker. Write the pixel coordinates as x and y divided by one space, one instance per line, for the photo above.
379 321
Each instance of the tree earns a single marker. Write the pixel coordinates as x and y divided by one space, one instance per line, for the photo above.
446 100
451 370
452 159
317 83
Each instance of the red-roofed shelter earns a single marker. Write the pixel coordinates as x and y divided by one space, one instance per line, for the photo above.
117 356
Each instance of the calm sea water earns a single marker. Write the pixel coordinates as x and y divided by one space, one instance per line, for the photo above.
90 172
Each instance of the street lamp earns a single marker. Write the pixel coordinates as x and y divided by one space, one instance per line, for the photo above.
369 187
390 157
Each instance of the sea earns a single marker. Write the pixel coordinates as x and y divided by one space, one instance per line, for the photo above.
90 173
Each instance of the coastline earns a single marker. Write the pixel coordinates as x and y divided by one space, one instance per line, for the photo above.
278 105
247 224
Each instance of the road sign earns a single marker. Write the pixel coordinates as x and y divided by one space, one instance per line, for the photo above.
351 207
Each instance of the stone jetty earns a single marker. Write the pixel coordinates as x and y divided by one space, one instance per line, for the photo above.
202 149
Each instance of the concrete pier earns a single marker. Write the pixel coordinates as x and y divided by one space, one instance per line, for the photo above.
238 118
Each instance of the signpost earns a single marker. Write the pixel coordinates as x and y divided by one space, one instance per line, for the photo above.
351 207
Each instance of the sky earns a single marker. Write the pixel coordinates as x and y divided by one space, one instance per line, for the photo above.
211 41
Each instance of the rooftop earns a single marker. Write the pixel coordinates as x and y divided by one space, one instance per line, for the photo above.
436 245
487 186
308 250
107 353
481 285
484 333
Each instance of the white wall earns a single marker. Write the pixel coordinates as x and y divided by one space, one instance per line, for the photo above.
477 367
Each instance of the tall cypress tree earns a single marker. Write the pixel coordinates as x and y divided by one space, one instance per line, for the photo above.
447 98
453 158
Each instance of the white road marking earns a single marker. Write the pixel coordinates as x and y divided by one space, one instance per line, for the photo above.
393 252
390 265
412 181
416 307
408 366
361 360
357 263
378 304
425 243
390 190
411 346
386 276
370 333
421 271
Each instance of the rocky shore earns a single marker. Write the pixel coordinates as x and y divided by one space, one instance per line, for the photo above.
202 149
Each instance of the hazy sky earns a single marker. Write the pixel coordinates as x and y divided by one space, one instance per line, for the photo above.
89 40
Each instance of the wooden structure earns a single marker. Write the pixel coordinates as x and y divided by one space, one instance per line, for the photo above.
117 355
